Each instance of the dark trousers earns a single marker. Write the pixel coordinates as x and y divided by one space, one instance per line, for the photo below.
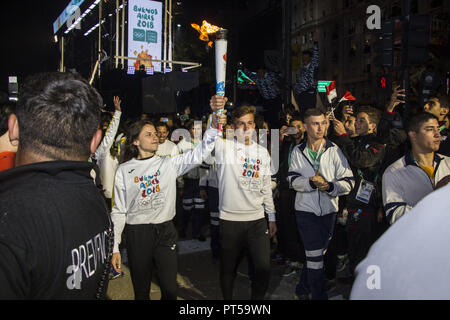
289 242
362 232
193 206
235 237
149 246
316 233
213 203
337 246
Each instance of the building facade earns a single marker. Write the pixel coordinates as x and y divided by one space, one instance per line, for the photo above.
346 44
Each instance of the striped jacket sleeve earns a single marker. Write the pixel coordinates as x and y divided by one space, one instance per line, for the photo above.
344 181
295 178
394 201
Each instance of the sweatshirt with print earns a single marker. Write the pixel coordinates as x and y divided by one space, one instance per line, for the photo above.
145 190
244 177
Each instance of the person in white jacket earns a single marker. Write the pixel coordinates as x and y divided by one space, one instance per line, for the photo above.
320 173
144 206
419 172
106 162
245 195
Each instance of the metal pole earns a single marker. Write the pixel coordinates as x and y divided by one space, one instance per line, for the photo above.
99 35
61 67
170 33
165 35
287 68
117 33
123 33
405 66
166 61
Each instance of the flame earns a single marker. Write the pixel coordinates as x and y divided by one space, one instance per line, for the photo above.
206 30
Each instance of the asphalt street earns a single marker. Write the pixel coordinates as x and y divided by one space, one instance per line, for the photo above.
198 279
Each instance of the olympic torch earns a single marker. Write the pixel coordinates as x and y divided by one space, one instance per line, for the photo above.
206 30
221 66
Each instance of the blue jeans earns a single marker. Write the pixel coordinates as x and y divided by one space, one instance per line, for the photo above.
316 233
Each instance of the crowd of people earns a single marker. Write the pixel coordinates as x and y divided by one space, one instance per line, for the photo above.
81 187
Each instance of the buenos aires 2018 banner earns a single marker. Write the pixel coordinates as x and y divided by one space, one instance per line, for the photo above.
144 33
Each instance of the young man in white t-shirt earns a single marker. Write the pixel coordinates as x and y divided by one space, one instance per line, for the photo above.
245 195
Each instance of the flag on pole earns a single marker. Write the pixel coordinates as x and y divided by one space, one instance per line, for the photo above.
331 91
347 97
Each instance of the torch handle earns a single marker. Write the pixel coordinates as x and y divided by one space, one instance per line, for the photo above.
219 125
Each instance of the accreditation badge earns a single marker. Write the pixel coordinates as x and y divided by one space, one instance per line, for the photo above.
365 191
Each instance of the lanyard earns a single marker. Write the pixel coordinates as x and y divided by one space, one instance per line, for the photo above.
361 175
316 160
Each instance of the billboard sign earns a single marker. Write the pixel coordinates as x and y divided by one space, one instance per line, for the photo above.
66 14
144 33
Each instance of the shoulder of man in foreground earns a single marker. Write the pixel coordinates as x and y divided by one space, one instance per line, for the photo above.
410 259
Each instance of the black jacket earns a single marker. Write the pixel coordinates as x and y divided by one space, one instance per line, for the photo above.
391 133
286 148
365 156
54 232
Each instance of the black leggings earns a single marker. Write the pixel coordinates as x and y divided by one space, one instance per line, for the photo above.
150 245
235 237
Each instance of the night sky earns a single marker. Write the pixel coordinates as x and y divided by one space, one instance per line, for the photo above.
28 36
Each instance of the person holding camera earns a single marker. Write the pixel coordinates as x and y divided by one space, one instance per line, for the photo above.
365 156
289 242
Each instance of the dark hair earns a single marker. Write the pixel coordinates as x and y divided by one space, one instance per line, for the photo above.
191 123
242 111
312 112
6 109
162 124
374 114
417 121
296 117
131 151
442 98
58 114
307 52
105 117
259 121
